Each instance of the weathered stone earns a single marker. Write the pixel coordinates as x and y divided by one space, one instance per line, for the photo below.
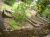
7 13
29 29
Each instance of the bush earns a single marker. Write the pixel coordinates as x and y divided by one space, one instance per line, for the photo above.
46 13
27 1
19 12
9 2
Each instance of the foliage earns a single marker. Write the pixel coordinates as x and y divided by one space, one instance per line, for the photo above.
9 2
20 12
41 5
27 1
42 8
46 13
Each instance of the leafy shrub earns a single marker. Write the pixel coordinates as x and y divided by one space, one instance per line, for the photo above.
9 2
41 5
46 13
19 12
27 1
